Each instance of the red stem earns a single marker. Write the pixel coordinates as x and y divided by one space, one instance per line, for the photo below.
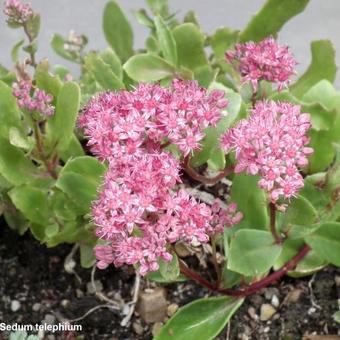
275 234
200 178
290 265
252 288
189 273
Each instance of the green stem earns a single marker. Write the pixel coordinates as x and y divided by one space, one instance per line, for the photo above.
276 236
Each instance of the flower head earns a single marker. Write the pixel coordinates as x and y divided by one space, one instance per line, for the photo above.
140 210
17 12
121 122
33 99
272 143
266 60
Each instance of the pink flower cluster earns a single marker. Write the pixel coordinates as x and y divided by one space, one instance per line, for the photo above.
179 113
33 99
17 12
140 210
272 143
266 60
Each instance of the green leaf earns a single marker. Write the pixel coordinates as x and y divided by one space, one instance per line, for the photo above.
169 270
14 166
87 258
229 278
148 68
323 66
250 200
300 212
310 264
33 25
110 57
210 143
9 112
158 277
61 71
32 202
16 49
102 72
159 7
46 81
252 252
217 160
80 179
61 125
143 18
201 319
166 41
18 139
58 44
326 242
63 208
222 40
73 150
271 17
117 30
190 46
51 230
290 248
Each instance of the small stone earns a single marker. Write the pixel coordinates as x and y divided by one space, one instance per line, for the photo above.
275 301
79 293
269 292
36 307
293 295
311 310
49 319
267 311
156 328
337 280
98 287
152 305
172 309
137 327
15 305
252 313
65 303
266 329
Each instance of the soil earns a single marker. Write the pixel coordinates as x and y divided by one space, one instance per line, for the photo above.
34 276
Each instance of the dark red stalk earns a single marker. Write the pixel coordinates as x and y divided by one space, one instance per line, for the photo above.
290 265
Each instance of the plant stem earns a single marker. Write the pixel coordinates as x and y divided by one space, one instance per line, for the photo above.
49 167
200 178
275 234
290 265
253 98
215 262
189 273
30 39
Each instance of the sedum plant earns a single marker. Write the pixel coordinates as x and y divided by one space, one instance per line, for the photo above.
118 177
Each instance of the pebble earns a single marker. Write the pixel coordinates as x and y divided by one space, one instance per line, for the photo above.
152 305
137 327
311 310
252 313
172 309
294 295
156 328
15 305
49 319
269 292
98 287
79 293
36 307
65 303
267 311
275 301
337 280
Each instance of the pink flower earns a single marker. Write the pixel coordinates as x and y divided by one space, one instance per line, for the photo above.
266 60
17 12
33 99
140 210
272 143
124 121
